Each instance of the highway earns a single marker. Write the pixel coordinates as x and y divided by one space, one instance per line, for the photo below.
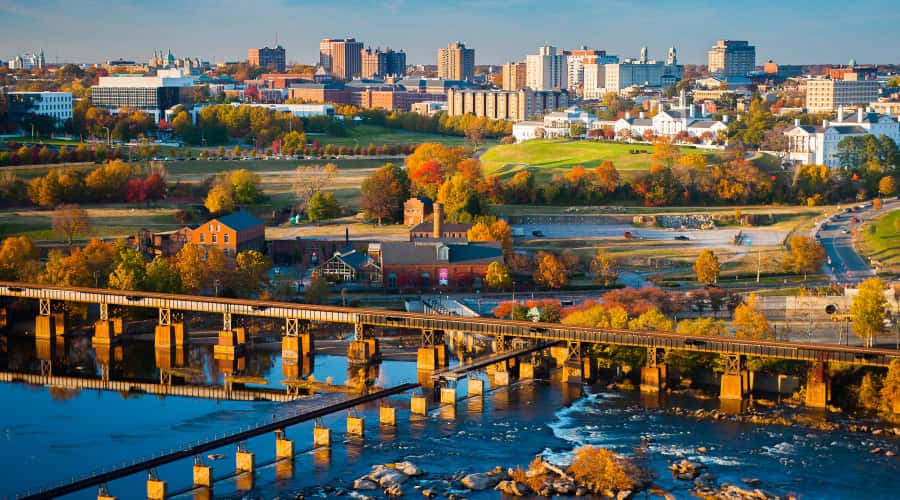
847 266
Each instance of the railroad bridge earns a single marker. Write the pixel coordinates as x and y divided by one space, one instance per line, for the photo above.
569 342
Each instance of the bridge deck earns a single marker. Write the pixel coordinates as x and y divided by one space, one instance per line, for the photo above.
485 326
199 449
460 371
189 391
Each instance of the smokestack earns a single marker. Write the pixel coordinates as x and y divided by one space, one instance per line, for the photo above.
438 220
796 122
346 236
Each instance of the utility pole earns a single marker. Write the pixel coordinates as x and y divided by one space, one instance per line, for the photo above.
758 263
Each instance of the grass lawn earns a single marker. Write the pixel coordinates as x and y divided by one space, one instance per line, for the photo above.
107 222
882 245
546 157
373 134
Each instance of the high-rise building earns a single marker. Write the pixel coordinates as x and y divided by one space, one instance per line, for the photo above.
642 71
826 95
378 64
546 70
513 74
732 58
594 84
341 57
456 62
575 61
265 57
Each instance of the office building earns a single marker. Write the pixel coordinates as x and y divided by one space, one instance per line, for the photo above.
57 105
150 94
341 57
33 60
818 145
594 81
731 59
379 64
456 62
513 75
641 72
512 105
576 59
546 70
273 58
825 95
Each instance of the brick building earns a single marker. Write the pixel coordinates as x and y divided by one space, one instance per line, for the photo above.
438 229
267 58
428 264
416 211
232 233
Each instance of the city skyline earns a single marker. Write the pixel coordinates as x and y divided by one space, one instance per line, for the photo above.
498 31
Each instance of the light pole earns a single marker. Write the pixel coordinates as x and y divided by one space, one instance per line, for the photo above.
108 141
216 284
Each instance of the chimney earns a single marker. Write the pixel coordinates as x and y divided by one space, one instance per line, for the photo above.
796 122
859 114
438 220
346 237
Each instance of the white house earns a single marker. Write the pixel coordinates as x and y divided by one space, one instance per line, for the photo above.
554 125
817 145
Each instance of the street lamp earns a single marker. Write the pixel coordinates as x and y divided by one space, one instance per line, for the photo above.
108 141
216 284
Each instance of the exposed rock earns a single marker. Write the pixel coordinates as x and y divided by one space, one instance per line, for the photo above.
623 495
686 470
564 487
364 483
581 491
429 493
513 488
408 468
702 449
479 481
395 490
889 453
391 478
875 451
751 481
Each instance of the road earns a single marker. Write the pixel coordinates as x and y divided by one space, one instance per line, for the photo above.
835 234
702 237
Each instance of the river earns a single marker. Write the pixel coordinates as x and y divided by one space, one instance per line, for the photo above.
52 435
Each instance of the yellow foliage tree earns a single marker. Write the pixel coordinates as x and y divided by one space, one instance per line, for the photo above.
602 470
550 271
868 310
890 390
652 320
706 267
220 199
750 323
497 276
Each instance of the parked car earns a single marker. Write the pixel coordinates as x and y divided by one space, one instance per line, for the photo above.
682 237
537 234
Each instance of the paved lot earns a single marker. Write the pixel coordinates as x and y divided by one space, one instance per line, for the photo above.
711 238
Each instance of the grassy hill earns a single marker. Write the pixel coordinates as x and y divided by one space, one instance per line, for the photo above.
547 157
883 243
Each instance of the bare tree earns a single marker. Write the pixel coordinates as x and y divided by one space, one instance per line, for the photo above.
69 221
475 133
310 179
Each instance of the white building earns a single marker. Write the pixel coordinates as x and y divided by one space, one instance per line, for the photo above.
298 110
817 145
56 105
546 70
150 94
671 122
554 125
641 72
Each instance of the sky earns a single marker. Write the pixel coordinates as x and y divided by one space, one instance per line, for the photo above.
787 31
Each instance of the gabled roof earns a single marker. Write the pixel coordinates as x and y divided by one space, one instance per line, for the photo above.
705 124
411 253
447 227
240 220
849 129
809 129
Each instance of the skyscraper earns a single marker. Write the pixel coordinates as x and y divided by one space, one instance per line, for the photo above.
456 62
273 58
513 74
341 58
378 64
732 58
546 70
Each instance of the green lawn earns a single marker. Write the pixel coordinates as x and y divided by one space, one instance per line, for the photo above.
547 157
882 245
373 134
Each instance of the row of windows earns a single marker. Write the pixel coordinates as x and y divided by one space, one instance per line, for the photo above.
225 239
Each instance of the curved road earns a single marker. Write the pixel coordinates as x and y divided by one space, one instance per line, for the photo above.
847 266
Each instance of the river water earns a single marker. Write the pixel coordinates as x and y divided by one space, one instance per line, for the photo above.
52 435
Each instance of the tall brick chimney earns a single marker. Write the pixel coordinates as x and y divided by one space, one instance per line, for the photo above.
438 220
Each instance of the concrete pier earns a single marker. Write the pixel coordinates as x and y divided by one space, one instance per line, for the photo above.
501 378
818 386
418 405
355 426
653 378
733 386
231 343
156 489
321 437
427 359
476 386
387 415
104 332
244 461
284 448
44 327
203 475
448 395
526 370
362 351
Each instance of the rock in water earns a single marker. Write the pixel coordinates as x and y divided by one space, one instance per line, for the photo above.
478 481
512 488
364 484
391 477
408 468
395 490
623 495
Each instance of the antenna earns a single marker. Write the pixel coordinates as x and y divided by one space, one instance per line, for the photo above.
276 39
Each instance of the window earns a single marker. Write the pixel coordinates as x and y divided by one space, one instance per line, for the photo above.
202 238
210 228
214 238
226 252
226 237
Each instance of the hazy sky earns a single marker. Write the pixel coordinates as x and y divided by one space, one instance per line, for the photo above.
788 31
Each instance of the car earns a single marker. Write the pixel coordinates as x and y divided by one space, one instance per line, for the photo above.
854 219
847 210
537 234
844 231
682 237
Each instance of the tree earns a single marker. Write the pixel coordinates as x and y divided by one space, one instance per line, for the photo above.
310 179
497 276
18 259
162 276
189 261
66 270
604 268
602 470
100 258
706 267
69 221
129 272
807 255
868 310
750 323
607 177
652 320
496 230
577 129
550 271
316 291
383 193
475 133
456 194
890 390
323 206
220 198
887 186
702 327
251 271
244 186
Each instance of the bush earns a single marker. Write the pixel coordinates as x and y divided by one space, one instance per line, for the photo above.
600 470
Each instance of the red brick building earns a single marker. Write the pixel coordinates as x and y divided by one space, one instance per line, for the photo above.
232 233
433 264
437 229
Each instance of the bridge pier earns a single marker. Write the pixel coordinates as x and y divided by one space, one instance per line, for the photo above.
284 447
3 317
244 461
448 395
363 349
231 343
104 494
203 475
156 488
104 332
44 322
476 387
297 341
818 386
735 384
418 405
654 372
321 435
387 415
355 426
427 359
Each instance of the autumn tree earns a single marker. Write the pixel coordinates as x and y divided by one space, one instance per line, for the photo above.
162 276
129 271
66 270
751 323
868 310
652 320
475 134
664 154
550 271
706 267
497 276
492 230
244 186
323 206
316 291
384 192
220 198
598 316
251 268
311 179
459 199
189 261
606 177
887 186
604 268
18 259
70 221
806 255
890 389
601 470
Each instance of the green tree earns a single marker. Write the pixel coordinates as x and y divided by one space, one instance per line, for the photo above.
129 271
706 267
316 291
577 129
162 276
244 186
868 310
384 192
251 271
497 276
323 206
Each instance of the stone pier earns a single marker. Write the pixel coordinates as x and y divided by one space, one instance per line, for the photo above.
654 372
735 384
203 475
387 415
284 447
818 386
418 405
448 395
355 426
231 343
156 489
427 359
321 437
476 386
45 327
244 461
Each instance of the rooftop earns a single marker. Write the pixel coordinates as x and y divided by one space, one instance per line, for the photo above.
239 220
408 252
